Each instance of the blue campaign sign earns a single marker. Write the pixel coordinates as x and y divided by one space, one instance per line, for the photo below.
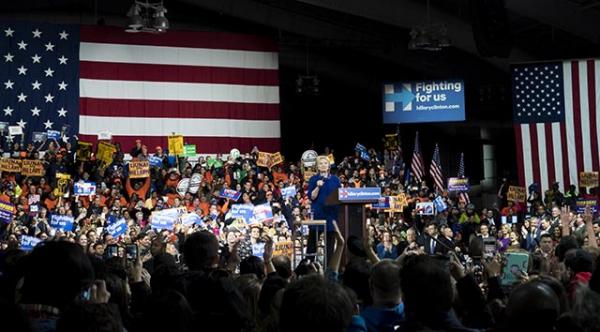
189 219
243 211
155 161
428 101
359 147
382 203
230 193
440 205
64 223
28 242
367 194
160 222
82 188
53 134
288 192
364 155
582 203
263 213
117 228
458 184
7 211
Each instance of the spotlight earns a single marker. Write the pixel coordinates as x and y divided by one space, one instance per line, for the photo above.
135 20
160 21
147 17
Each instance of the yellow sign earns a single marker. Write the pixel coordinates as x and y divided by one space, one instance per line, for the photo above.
32 168
391 142
10 165
517 194
276 158
105 153
284 248
139 169
84 151
176 145
264 159
62 183
588 179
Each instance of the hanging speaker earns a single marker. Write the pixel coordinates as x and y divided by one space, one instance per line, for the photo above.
491 29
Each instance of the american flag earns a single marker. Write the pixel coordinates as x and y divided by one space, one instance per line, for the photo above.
417 166
463 195
218 90
435 169
556 121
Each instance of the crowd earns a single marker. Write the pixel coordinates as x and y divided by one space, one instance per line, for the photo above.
463 268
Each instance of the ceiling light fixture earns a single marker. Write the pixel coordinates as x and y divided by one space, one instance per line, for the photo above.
145 16
429 36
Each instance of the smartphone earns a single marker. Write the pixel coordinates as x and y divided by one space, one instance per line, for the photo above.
131 251
86 295
111 251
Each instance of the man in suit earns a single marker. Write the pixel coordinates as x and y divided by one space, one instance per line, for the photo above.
430 245
447 240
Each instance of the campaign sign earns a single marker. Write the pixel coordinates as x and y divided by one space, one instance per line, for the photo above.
117 228
28 242
288 192
64 223
364 155
516 265
82 188
359 147
439 204
427 101
160 222
263 213
368 194
230 193
458 184
382 203
243 211
189 219
425 208
155 161
582 203
53 134
172 213
7 211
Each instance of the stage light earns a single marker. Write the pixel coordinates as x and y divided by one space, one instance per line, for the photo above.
147 17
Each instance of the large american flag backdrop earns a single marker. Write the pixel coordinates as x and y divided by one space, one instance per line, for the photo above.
218 90
556 121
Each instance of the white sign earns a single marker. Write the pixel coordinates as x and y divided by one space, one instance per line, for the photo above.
105 135
309 158
15 130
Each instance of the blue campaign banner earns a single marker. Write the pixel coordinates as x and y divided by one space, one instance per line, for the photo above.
28 242
53 134
582 203
64 223
427 101
364 155
189 219
288 192
7 211
263 213
117 228
160 222
84 188
243 211
458 184
230 193
349 195
359 147
382 203
440 205
155 161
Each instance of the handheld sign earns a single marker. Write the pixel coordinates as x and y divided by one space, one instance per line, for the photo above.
383 203
516 194
425 208
309 158
264 159
84 151
182 186
117 228
582 203
155 161
28 242
139 169
7 211
242 211
189 150
53 134
288 192
263 213
176 145
15 130
230 194
440 205
64 223
588 179
32 167
105 135
458 184
161 222
10 165
189 219
516 264
82 188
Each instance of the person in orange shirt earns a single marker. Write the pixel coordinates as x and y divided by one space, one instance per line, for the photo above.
140 189
51 202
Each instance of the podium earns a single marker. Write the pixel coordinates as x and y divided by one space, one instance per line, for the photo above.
352 202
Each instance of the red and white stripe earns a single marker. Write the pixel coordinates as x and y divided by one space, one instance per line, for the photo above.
557 152
219 90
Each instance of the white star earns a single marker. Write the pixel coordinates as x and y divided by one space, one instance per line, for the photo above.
62 112
49 98
49 46
22 70
48 124
9 138
8 111
8 57
62 60
36 58
36 85
8 85
63 35
36 33
22 45
22 98
35 111
49 72
62 86
22 123
9 32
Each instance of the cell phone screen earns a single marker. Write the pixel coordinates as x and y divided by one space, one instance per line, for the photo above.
131 252
112 251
